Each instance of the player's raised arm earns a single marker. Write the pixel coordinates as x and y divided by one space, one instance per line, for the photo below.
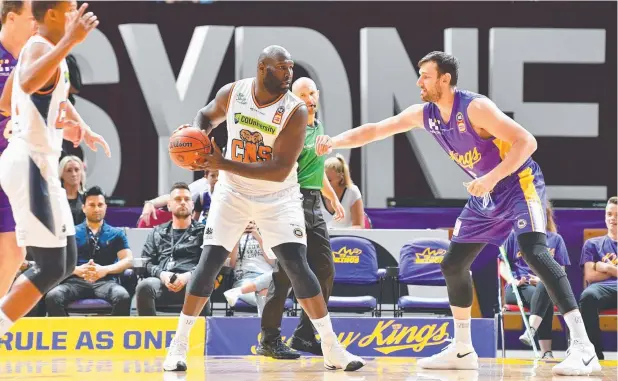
214 113
39 63
286 150
484 114
406 120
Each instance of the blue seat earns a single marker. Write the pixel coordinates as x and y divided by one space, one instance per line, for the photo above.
419 264
356 263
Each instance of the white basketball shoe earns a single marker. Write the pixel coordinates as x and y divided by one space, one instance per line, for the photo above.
336 357
454 356
176 359
581 360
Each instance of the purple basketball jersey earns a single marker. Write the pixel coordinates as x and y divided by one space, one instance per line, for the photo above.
475 155
516 203
7 64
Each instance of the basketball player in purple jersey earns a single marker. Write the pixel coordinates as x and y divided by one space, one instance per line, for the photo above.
18 25
507 192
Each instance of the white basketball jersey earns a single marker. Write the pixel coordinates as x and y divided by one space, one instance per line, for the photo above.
36 115
252 130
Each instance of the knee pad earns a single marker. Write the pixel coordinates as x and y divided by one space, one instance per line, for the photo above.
536 254
49 268
203 278
293 259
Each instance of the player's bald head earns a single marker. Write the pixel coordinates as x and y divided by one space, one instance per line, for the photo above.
275 69
274 53
303 83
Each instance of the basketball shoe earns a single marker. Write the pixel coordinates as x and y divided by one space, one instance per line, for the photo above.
336 357
456 355
176 359
581 360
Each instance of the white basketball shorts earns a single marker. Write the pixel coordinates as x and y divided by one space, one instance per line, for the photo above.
279 217
39 203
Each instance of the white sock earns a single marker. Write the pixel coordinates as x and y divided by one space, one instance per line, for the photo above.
462 331
325 329
185 324
5 324
575 322
535 322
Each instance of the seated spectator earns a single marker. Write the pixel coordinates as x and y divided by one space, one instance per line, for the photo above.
600 263
73 180
349 195
201 190
252 270
532 291
174 249
102 253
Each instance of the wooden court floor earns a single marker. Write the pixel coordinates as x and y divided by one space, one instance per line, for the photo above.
253 368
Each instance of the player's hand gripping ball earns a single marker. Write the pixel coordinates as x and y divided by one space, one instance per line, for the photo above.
188 147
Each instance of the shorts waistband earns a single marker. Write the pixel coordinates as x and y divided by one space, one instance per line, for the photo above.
310 192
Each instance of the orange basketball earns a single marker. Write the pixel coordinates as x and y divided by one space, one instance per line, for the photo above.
188 145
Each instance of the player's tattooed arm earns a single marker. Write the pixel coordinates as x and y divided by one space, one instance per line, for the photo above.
286 149
213 114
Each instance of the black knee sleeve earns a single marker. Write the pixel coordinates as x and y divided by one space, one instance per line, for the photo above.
203 278
49 267
456 269
534 250
293 259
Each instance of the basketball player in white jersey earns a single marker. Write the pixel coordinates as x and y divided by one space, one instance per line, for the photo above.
266 131
42 117
18 25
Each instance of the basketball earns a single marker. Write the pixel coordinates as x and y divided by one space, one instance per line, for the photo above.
188 145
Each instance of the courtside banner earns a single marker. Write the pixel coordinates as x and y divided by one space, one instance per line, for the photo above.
97 335
401 337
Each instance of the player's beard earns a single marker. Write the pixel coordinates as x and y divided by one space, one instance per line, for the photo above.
433 96
273 85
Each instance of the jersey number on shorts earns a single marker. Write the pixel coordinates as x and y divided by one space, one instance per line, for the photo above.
250 148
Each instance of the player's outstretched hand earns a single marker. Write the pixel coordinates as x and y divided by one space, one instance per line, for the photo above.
92 139
323 145
79 23
71 131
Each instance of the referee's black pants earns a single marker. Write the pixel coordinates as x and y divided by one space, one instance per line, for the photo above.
320 259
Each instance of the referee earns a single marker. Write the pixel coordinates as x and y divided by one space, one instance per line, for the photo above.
319 254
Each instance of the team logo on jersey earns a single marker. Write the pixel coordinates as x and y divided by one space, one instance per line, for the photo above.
67 77
241 98
248 121
278 115
461 125
250 148
434 125
521 223
468 159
